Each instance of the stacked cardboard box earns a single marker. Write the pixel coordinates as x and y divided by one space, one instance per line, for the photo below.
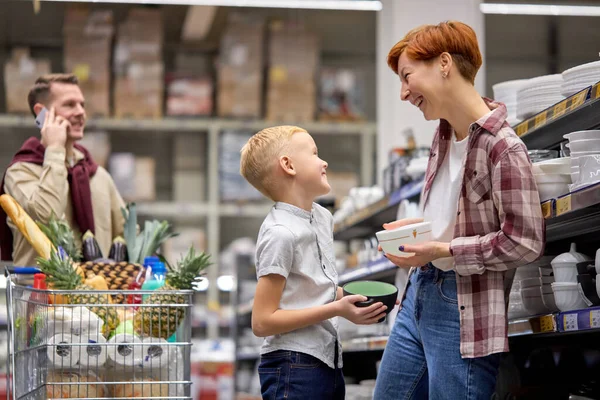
293 62
87 40
190 86
138 66
20 73
240 72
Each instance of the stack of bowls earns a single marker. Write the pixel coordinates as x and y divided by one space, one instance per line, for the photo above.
585 157
553 177
566 289
526 296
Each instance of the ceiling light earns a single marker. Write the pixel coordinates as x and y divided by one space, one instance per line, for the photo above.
359 5
540 9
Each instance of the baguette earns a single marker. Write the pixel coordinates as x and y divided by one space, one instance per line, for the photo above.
26 226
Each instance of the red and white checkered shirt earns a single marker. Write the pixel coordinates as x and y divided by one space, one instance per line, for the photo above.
499 225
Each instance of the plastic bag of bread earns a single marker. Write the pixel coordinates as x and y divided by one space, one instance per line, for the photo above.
143 389
79 386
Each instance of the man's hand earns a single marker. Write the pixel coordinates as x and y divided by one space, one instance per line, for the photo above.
54 131
360 315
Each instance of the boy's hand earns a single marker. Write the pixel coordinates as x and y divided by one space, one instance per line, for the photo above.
360 315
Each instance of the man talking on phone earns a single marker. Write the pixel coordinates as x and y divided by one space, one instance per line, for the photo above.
52 174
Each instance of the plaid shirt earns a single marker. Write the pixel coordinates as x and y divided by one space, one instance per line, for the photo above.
499 226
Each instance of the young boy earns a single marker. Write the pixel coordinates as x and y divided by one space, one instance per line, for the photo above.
297 297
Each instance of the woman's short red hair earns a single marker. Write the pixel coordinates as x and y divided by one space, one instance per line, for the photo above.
429 41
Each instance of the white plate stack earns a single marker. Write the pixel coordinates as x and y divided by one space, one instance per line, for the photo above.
537 94
506 92
580 77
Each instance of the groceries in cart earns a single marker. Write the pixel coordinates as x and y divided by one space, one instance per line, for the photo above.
83 334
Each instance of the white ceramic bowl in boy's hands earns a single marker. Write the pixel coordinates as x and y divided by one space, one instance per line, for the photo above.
390 240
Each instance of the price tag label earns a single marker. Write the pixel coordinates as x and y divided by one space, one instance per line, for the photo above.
547 323
579 99
560 109
595 319
547 209
540 119
570 322
596 91
563 205
521 129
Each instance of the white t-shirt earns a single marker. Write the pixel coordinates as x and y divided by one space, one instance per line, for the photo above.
442 203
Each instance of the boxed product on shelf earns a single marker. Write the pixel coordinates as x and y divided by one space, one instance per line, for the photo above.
240 68
134 176
341 94
293 62
20 73
138 65
189 96
190 86
232 186
87 51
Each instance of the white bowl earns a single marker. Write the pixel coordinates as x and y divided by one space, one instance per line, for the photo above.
530 282
567 297
534 304
549 302
565 272
581 135
552 190
553 166
553 178
585 145
390 240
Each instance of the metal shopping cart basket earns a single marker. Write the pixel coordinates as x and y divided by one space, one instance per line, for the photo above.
59 351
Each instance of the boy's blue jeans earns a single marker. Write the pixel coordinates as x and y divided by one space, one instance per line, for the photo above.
297 376
422 357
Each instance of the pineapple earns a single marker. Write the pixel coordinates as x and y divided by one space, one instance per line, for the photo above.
61 275
61 235
162 322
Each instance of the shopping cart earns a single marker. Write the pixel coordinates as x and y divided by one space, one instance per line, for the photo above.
59 351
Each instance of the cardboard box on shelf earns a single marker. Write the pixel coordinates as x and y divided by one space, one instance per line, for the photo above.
341 94
80 21
190 96
98 144
134 176
20 73
140 94
175 248
293 62
189 186
240 74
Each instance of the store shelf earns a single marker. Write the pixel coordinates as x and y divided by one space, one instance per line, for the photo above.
186 210
381 268
576 214
245 308
370 219
375 343
201 125
546 129
247 355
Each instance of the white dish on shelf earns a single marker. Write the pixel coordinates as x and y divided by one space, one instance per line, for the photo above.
581 135
567 296
553 166
391 240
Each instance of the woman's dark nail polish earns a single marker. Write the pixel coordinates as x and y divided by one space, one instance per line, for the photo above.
401 248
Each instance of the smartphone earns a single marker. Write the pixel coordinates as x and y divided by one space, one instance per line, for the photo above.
41 117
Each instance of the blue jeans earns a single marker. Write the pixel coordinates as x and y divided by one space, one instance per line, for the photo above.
422 358
297 376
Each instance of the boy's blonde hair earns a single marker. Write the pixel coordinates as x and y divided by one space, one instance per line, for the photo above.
261 153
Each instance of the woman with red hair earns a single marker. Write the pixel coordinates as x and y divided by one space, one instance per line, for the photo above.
481 198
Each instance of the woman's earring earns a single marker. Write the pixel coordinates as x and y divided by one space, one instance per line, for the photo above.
444 74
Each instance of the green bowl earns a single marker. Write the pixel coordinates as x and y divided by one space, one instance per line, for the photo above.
375 292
